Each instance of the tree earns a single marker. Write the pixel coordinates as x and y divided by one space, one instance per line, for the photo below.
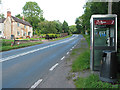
91 8
78 25
19 16
2 16
65 27
58 25
116 10
73 29
33 14
47 27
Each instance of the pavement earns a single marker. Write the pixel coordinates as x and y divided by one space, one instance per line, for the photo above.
29 67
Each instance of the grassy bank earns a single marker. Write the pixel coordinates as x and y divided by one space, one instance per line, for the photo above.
8 47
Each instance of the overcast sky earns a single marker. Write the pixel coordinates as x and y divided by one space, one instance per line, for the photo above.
61 10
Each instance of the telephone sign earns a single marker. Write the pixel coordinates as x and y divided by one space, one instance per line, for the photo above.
104 22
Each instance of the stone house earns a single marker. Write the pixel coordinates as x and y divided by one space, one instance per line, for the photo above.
15 27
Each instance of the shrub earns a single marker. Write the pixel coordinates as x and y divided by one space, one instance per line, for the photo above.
27 36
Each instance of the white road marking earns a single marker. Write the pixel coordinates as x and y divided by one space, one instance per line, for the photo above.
71 49
53 67
36 83
25 53
67 53
62 58
74 45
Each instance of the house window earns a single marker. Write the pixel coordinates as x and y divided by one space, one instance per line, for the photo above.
24 33
18 24
29 33
30 28
25 26
0 32
18 33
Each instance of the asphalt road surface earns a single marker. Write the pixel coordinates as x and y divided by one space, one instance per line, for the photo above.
27 67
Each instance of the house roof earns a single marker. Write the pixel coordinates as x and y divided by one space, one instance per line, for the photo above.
2 20
21 21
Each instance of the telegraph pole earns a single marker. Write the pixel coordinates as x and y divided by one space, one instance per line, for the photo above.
110 7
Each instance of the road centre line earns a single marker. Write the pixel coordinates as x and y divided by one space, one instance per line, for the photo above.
25 53
37 83
67 53
62 58
53 67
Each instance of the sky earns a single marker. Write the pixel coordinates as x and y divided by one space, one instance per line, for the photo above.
61 10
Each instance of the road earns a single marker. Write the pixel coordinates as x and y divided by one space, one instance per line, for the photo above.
27 67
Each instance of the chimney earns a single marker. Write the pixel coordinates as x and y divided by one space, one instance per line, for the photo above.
8 14
23 17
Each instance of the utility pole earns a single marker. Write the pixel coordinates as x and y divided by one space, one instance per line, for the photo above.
110 7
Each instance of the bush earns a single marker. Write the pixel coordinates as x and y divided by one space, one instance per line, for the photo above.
52 36
27 36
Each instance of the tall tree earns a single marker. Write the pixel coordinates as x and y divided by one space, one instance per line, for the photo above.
65 27
58 25
73 29
91 8
116 10
33 14
47 27
78 25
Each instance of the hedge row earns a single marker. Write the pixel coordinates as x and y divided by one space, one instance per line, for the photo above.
52 36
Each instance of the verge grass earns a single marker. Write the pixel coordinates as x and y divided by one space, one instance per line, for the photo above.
82 62
8 47
93 82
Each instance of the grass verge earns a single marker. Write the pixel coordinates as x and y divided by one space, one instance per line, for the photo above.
93 82
6 48
6 44
87 37
82 62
